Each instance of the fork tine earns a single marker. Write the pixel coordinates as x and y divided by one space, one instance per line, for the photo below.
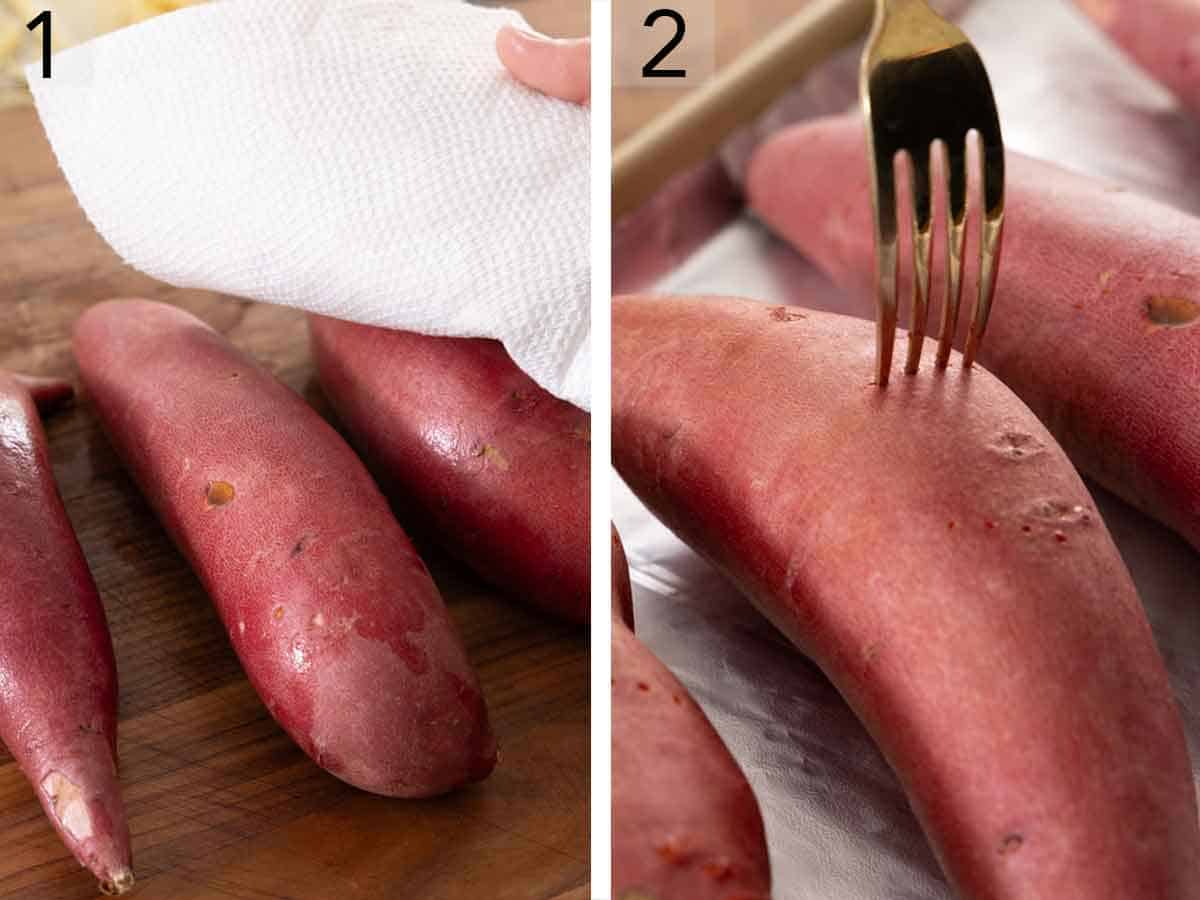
991 235
922 256
956 235
886 261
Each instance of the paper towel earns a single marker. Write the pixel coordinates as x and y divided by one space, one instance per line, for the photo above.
370 160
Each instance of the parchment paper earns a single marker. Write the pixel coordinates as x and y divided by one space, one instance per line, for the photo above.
838 824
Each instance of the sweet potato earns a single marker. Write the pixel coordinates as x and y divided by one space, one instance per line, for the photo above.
58 679
622 589
685 821
662 233
1096 308
496 466
933 550
333 615
1162 36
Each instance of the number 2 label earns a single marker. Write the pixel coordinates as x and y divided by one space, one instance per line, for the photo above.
663 44
650 69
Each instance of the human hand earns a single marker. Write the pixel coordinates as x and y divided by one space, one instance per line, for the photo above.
557 67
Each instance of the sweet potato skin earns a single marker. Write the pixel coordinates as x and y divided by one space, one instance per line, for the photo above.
931 548
58 678
333 615
1096 310
497 466
685 820
1162 36
622 588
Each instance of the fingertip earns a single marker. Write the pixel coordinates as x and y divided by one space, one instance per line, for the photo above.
557 68
515 46
1104 12
504 39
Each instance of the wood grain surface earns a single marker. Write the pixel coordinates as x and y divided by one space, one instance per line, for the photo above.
221 803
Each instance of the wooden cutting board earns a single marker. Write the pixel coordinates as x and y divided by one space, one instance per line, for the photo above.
221 803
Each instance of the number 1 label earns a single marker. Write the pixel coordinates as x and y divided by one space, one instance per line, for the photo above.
43 21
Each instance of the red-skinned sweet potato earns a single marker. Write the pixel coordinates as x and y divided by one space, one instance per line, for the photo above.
333 615
622 589
58 679
1096 310
495 465
663 232
685 821
1162 36
933 550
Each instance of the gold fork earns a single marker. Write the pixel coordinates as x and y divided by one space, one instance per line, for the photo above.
922 82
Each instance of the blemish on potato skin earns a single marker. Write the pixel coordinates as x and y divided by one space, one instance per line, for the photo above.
120 884
787 314
302 544
522 402
277 613
642 686
1171 312
673 850
300 659
219 493
1011 843
493 456
719 869
1016 445
69 805
870 652
1060 513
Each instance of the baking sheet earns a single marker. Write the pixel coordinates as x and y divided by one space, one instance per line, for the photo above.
838 824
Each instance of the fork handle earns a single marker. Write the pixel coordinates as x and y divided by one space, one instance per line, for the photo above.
693 128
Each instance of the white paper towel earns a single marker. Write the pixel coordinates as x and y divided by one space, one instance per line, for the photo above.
370 160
